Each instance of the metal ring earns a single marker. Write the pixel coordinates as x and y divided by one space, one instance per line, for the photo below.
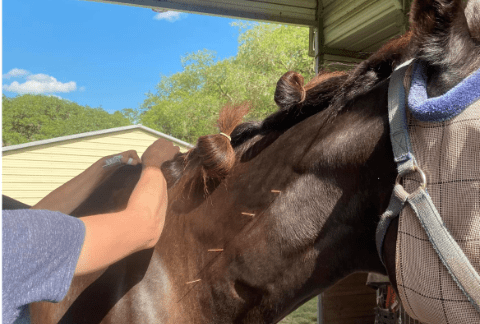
423 184
130 160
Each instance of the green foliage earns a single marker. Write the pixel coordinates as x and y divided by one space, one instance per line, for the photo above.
133 115
305 314
30 118
186 104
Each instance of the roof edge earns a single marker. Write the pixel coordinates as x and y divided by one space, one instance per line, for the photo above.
94 133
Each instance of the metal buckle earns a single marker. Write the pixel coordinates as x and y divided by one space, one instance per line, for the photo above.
384 316
423 184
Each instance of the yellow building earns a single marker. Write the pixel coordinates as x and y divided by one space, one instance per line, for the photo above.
32 170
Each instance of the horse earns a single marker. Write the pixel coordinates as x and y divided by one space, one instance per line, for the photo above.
259 224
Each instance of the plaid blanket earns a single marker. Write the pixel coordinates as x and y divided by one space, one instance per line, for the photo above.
449 154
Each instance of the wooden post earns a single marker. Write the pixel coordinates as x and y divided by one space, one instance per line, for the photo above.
318 43
320 309
319 39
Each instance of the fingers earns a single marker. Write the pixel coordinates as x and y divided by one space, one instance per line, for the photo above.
160 151
130 157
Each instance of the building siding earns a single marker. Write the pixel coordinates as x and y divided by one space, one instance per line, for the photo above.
31 173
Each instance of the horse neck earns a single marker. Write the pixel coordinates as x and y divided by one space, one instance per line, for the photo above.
181 257
349 155
352 159
358 142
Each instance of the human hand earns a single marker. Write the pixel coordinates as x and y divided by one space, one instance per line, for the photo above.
160 151
129 157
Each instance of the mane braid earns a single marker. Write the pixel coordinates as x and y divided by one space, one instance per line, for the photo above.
196 173
296 103
318 95
378 67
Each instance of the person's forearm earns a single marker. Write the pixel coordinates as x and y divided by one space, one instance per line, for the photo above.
152 196
111 237
108 239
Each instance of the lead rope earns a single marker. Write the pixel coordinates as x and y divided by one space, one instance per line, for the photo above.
451 255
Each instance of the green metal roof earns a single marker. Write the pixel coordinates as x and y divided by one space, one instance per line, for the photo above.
299 12
361 25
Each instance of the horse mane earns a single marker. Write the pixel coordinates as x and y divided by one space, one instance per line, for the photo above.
205 166
213 156
331 90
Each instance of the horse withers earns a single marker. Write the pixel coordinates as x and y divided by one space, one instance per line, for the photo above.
258 225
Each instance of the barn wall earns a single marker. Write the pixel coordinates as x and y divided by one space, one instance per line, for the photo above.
30 173
349 301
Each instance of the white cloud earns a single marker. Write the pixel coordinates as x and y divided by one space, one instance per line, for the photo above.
170 16
40 83
13 73
41 78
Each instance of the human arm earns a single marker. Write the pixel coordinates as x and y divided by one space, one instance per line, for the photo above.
42 250
70 195
111 237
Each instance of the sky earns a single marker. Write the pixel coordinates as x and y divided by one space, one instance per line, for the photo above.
98 54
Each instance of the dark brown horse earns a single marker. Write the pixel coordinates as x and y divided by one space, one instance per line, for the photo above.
257 226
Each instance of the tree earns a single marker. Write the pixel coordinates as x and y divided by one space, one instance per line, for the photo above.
29 118
133 115
186 104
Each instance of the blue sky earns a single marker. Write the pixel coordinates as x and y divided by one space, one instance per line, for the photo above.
101 54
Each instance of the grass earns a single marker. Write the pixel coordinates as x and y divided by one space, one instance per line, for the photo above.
305 314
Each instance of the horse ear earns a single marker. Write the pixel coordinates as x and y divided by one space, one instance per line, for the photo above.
435 25
427 15
472 12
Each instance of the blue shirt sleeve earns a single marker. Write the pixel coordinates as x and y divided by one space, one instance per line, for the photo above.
40 250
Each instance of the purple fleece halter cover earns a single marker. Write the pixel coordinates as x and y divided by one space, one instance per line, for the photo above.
446 106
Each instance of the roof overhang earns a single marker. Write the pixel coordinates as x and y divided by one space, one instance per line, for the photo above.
298 12
345 30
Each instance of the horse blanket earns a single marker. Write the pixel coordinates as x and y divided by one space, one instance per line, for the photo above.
448 152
